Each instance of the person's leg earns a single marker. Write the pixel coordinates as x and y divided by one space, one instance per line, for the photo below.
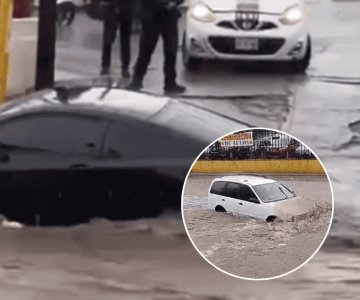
149 37
170 35
109 34
126 23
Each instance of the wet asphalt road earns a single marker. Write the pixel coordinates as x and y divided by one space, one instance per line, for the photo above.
321 108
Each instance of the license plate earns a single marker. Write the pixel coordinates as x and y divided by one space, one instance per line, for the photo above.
246 44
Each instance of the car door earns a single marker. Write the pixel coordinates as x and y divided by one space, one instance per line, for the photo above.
249 202
44 150
144 166
218 196
231 201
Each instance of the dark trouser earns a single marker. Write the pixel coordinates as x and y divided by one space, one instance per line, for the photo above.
124 23
166 26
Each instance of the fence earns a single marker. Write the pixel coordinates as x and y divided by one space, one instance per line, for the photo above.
257 144
5 17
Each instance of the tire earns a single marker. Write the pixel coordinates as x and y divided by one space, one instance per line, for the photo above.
219 208
190 63
301 65
272 219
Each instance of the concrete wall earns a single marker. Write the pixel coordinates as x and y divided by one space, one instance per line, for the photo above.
259 166
22 50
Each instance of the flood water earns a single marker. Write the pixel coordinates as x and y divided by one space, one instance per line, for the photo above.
252 248
149 259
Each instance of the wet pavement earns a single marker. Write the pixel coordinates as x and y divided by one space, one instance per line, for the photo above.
326 109
258 95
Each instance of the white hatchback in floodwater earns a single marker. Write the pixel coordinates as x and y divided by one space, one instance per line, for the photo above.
248 30
257 197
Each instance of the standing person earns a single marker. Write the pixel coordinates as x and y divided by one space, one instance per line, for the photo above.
117 14
158 17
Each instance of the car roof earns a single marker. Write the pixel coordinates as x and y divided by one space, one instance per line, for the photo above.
99 99
248 179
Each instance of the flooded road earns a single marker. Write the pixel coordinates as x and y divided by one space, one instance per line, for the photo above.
252 248
149 259
153 259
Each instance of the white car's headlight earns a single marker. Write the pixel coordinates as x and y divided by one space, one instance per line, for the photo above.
292 15
201 12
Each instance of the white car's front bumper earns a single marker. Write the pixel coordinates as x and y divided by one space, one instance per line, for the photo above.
215 41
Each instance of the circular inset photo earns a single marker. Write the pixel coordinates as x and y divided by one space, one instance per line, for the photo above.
257 204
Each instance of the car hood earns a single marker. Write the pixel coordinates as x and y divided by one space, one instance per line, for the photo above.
297 206
267 6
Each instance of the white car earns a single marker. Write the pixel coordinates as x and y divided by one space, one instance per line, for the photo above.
257 197
248 30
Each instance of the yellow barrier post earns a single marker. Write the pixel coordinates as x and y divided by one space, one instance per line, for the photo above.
6 7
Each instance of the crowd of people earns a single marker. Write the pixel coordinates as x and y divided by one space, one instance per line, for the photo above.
159 18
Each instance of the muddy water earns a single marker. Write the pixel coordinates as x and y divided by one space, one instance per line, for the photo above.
255 249
148 259
252 248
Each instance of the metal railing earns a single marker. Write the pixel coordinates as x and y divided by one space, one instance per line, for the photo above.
265 144
6 7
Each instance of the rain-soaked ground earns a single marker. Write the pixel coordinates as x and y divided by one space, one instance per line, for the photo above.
252 248
149 259
154 259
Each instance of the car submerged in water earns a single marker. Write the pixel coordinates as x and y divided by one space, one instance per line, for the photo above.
256 196
247 30
74 153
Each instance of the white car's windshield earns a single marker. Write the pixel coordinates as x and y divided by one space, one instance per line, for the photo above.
270 192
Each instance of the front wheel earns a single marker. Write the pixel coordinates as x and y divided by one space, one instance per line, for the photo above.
301 65
190 63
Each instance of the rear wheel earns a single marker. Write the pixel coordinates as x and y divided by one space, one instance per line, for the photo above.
300 66
219 208
190 63
272 219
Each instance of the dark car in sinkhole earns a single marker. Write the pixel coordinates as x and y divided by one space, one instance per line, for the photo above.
73 153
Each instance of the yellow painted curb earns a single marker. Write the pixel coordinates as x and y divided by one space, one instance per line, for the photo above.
4 66
6 7
312 166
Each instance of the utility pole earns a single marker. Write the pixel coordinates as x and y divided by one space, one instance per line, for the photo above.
45 66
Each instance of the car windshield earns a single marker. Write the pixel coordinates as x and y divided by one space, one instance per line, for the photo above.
271 192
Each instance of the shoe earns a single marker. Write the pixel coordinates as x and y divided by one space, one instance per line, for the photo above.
135 85
105 71
174 88
125 73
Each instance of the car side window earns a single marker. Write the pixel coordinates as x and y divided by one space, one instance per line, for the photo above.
218 188
246 194
232 190
57 132
136 139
